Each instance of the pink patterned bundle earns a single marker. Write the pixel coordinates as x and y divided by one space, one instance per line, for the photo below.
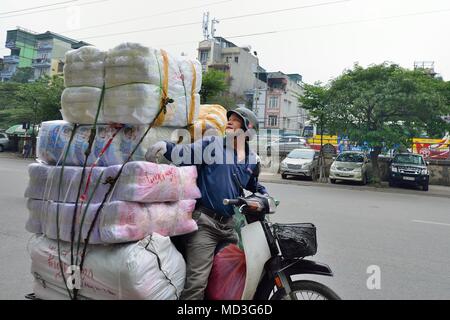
118 221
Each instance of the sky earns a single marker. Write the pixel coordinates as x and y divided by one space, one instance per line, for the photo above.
318 39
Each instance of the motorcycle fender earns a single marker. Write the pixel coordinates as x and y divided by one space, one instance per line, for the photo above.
307 267
257 253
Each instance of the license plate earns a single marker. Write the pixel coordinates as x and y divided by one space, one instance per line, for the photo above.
409 178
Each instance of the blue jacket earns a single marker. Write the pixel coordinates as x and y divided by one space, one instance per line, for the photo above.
216 165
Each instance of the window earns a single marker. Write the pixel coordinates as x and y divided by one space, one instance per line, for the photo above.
273 121
236 59
273 102
203 56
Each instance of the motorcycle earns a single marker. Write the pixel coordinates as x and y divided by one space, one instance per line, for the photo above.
276 252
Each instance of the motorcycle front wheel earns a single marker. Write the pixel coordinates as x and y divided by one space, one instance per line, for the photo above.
306 290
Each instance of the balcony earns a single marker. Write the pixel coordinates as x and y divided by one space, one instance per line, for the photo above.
11 44
44 46
41 63
6 74
11 59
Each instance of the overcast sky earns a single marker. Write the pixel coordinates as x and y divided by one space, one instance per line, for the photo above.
318 39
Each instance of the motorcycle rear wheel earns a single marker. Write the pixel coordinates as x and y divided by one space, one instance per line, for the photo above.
307 290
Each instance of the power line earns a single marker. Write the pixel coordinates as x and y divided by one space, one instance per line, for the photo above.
54 9
146 17
283 10
226 18
43 6
317 26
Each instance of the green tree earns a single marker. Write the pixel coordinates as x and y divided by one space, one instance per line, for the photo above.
23 75
214 84
384 105
31 102
315 99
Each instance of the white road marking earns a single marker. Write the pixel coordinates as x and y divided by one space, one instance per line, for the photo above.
432 222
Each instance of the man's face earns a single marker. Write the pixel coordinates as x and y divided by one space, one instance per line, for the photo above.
234 123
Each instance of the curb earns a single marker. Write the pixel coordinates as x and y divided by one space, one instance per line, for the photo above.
383 189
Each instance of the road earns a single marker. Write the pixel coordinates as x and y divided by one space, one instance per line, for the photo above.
407 236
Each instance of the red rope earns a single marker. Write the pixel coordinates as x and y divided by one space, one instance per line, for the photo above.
84 196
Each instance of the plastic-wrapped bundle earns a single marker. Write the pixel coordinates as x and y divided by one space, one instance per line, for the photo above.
132 103
80 104
151 269
139 182
44 183
84 67
212 119
83 78
131 63
138 78
54 137
118 221
149 182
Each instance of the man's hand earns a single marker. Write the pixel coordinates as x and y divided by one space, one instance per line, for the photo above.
155 151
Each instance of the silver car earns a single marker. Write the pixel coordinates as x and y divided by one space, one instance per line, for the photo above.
4 141
300 162
349 165
286 144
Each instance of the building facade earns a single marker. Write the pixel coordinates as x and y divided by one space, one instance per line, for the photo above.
237 62
283 110
21 42
44 52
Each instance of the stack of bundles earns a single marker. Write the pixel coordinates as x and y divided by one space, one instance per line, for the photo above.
83 78
54 137
149 202
126 231
139 80
150 269
212 120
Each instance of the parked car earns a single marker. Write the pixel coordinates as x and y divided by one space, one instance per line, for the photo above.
4 141
300 162
409 168
286 144
350 165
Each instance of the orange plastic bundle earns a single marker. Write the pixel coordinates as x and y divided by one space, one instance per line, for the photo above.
211 118
227 277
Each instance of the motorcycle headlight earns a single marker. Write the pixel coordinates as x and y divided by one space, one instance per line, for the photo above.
424 171
394 169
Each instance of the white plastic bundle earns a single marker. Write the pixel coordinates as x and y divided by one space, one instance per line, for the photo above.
138 78
80 104
83 78
54 137
151 269
117 222
84 67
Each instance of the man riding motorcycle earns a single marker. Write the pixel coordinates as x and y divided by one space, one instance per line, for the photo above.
225 167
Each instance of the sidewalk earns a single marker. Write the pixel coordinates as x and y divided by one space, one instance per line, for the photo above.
13 155
433 191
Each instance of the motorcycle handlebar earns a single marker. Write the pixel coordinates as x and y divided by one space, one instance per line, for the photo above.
233 202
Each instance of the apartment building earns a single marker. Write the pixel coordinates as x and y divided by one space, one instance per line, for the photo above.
283 110
238 62
44 52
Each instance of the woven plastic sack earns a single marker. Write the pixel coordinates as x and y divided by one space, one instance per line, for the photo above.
227 277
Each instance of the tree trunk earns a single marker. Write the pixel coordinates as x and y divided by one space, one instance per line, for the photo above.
375 168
